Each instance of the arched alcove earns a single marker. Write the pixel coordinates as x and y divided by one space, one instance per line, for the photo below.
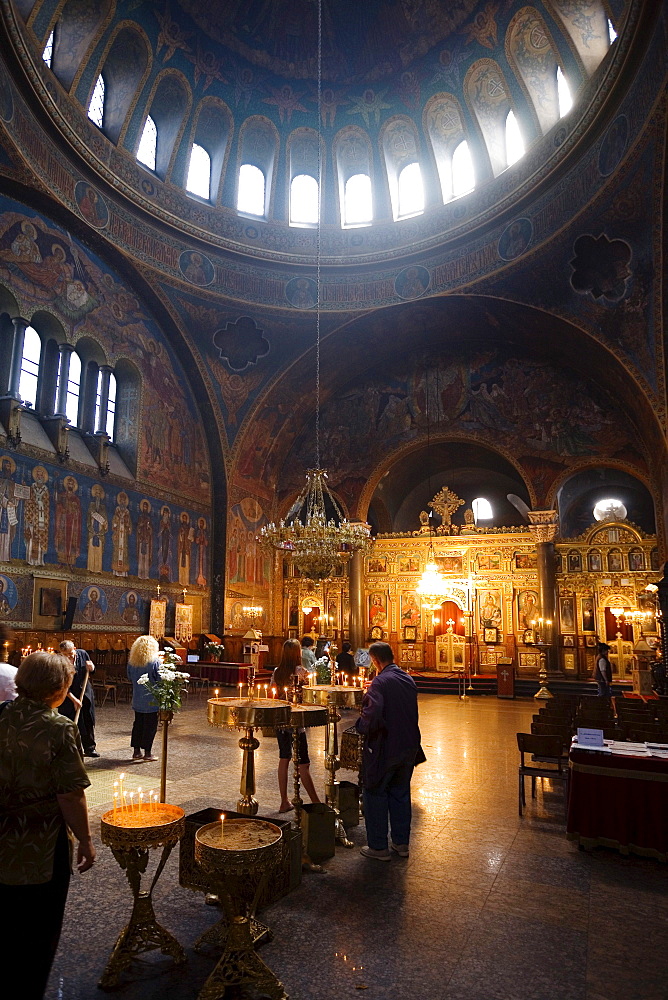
578 495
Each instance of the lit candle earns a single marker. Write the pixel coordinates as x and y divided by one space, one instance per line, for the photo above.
141 799
150 799
240 686
216 692
115 804
266 688
131 796
222 828
122 796
286 693
258 690
273 692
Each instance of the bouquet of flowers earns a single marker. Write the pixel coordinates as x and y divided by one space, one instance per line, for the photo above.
215 650
169 689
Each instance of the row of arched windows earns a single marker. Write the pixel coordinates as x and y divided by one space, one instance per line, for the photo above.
58 379
504 137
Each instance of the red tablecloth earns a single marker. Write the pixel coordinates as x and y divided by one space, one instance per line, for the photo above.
225 674
619 802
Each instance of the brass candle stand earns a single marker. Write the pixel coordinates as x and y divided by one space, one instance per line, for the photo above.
131 834
239 857
248 714
303 717
333 697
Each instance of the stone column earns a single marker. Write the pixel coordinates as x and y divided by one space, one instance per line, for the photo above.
544 526
65 352
17 356
105 373
356 583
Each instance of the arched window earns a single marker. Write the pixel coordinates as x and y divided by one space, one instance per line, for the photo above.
47 54
357 201
410 192
32 351
514 141
148 144
251 190
612 34
482 509
463 175
304 196
199 172
609 509
108 424
563 94
96 106
73 387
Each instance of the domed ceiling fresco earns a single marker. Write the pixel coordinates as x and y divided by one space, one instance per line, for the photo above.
279 34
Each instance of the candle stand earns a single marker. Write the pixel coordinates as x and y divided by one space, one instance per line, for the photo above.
333 697
131 835
303 717
248 714
239 860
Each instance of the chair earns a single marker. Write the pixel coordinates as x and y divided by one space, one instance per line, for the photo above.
101 682
547 761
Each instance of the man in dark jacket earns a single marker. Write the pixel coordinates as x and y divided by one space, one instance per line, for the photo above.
389 723
603 671
83 668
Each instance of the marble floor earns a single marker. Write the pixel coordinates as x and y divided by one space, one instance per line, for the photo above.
488 906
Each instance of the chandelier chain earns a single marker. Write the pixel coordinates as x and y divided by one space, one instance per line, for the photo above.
318 246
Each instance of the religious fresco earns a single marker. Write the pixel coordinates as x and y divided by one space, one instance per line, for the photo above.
377 611
530 408
47 270
249 564
52 518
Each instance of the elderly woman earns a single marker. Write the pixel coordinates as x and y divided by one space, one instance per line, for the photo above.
144 658
42 783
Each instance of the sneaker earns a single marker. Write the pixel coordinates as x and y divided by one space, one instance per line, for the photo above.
137 757
369 852
148 756
401 849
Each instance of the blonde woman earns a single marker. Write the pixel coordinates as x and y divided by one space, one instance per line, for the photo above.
144 658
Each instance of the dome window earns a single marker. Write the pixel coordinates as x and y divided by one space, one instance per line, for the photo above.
47 54
105 421
463 175
148 145
410 191
357 202
96 106
563 94
199 172
73 385
251 190
482 509
514 141
304 196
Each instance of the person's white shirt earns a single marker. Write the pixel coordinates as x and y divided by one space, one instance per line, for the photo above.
7 686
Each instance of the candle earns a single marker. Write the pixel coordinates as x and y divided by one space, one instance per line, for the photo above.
273 692
122 795
141 799
216 692
286 693
131 796
266 688
240 686
150 799
115 804
222 828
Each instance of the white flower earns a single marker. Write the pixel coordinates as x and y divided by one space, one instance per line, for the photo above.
143 679
182 677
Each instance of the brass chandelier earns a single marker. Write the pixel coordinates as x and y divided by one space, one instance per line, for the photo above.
315 532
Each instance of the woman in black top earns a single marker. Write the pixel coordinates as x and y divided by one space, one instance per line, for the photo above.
345 661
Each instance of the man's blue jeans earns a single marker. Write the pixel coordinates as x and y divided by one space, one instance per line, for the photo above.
392 796
604 689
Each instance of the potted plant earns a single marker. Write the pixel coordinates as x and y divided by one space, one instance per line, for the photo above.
167 694
215 650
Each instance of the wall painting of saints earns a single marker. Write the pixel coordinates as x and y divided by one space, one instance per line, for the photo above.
377 611
410 609
491 613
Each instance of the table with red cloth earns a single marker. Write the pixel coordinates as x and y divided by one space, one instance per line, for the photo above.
619 801
225 674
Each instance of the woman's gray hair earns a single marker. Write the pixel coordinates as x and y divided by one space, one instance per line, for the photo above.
143 651
42 674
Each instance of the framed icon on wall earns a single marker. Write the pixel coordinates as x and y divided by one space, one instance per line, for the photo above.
410 633
490 635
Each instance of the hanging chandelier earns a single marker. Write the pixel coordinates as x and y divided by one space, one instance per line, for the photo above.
252 611
315 531
433 588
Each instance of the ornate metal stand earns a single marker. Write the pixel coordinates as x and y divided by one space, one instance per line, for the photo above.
166 718
130 846
239 876
303 717
334 697
248 714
